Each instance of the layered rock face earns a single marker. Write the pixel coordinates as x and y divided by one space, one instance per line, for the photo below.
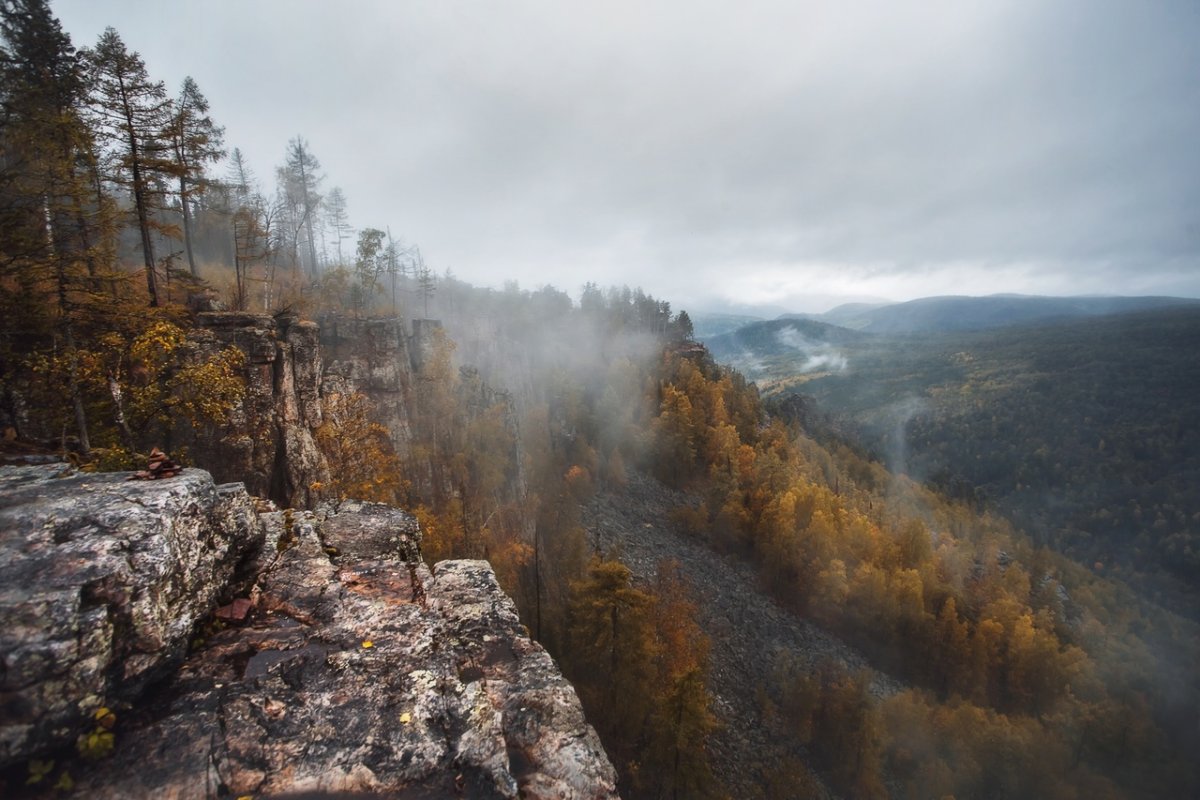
346 666
292 366
269 443
373 356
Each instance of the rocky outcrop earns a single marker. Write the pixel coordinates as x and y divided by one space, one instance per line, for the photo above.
345 665
269 442
101 583
372 356
292 367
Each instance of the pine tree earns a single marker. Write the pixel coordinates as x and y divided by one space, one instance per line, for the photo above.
426 280
301 184
370 263
674 437
612 651
45 235
131 112
676 763
195 140
339 220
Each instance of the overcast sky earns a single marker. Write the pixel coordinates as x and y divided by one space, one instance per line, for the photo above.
783 152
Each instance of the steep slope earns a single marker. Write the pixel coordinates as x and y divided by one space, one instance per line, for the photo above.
750 632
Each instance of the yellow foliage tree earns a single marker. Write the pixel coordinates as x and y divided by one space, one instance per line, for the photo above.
362 460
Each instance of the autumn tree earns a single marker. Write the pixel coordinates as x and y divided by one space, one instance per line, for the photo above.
363 464
195 142
48 233
132 112
675 442
612 651
147 383
675 761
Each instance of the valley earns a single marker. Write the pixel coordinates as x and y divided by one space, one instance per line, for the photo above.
1085 432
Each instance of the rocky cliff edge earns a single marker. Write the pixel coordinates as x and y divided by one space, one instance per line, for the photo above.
335 664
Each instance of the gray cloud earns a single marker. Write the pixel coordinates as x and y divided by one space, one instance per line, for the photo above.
757 151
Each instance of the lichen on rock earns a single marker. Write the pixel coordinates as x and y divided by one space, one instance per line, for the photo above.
357 668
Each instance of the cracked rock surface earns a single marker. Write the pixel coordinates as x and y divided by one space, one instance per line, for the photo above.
101 582
359 672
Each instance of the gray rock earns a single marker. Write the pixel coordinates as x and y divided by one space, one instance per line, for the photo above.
268 442
372 356
357 669
102 580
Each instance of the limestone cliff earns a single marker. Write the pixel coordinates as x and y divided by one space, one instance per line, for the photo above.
101 583
343 664
269 442
292 368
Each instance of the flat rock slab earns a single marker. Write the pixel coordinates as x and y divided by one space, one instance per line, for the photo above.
102 580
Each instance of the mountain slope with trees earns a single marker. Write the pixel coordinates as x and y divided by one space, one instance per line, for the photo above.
1085 433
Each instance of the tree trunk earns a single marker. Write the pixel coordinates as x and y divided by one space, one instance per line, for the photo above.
240 298
187 226
537 580
57 252
139 201
308 225
114 389
81 424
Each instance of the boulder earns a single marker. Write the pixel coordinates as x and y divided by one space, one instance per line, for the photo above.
102 581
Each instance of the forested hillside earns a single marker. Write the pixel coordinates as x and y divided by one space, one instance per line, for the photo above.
1085 433
1014 671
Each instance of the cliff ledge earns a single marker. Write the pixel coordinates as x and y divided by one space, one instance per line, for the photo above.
337 662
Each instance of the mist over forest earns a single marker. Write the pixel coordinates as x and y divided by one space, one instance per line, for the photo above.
784 537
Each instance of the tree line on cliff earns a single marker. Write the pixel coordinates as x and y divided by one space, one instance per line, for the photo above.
115 225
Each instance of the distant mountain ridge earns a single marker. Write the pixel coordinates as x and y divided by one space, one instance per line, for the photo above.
964 313
708 324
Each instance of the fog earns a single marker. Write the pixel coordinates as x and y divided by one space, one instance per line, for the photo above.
816 356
